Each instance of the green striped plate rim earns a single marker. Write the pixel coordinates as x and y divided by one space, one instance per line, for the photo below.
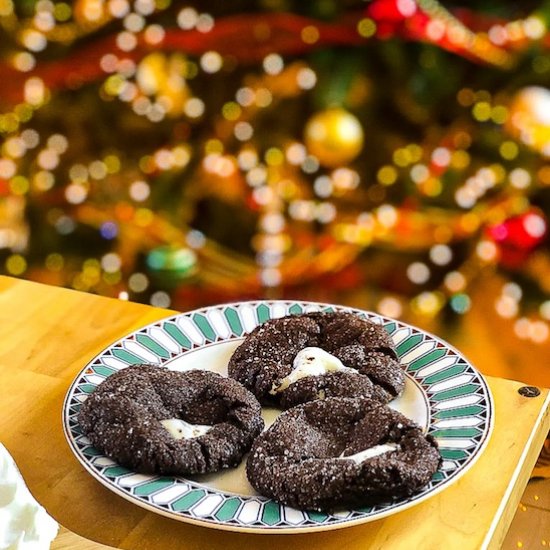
459 401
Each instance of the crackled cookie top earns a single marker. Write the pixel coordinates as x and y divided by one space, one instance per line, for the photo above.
300 358
341 452
154 420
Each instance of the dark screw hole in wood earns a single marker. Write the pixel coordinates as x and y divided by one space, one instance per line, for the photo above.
529 391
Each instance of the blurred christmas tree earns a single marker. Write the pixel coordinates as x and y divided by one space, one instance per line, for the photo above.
190 155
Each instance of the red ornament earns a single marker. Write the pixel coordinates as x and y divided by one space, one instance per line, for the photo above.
517 236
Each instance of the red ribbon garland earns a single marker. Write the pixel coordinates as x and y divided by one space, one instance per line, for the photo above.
248 38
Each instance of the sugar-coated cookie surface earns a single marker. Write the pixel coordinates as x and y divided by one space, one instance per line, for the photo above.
154 420
341 452
265 362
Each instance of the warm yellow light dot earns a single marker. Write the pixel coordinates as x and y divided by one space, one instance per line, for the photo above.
54 262
23 112
402 157
432 187
415 152
486 250
97 169
366 27
274 156
231 110
14 147
114 84
112 163
387 175
43 180
508 150
499 114
390 307
455 281
6 8
469 222
143 217
16 264
482 111
24 61
460 159
62 12
310 34
35 91
213 146
58 143
427 303
19 185
263 97
181 156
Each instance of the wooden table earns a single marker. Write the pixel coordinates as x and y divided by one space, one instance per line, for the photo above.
48 334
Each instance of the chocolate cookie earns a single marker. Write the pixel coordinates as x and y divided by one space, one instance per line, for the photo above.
154 420
299 358
341 452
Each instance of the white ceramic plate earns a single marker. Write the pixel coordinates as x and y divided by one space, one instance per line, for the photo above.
443 393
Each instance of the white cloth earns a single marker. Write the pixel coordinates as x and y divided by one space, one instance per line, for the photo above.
24 524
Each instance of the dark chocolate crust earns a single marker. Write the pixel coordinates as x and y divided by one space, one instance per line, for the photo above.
267 354
296 460
122 419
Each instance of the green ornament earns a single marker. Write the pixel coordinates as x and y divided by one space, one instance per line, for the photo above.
172 263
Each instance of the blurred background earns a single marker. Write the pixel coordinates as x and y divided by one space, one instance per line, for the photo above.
392 155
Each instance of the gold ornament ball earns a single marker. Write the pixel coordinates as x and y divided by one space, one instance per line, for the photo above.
529 118
334 136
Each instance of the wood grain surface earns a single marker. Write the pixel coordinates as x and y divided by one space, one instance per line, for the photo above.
48 334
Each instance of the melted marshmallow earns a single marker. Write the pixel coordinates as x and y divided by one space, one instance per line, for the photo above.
179 429
24 524
371 452
310 362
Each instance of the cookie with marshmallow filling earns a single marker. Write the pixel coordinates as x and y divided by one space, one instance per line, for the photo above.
300 358
341 452
154 420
